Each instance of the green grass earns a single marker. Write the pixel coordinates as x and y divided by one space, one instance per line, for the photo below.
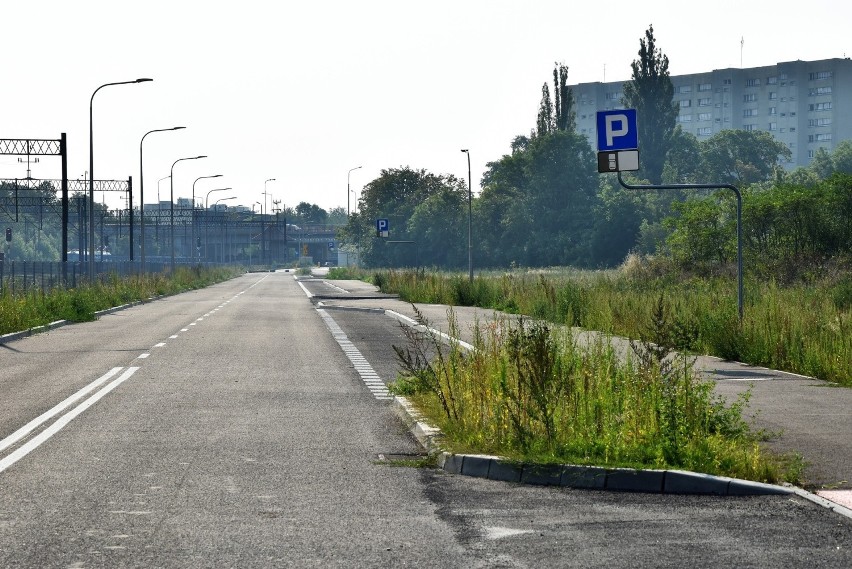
805 329
31 309
528 392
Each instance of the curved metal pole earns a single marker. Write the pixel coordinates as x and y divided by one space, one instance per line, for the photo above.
92 172
347 189
142 199
172 205
739 221
469 220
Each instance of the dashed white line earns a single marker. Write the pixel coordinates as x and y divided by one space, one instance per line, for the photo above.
370 378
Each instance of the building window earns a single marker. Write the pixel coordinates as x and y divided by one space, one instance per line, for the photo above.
819 91
684 118
614 96
705 116
819 122
705 87
752 83
704 102
749 127
820 75
726 82
685 103
772 80
749 112
773 110
684 89
749 97
810 153
826 137
773 126
773 96
704 131
820 106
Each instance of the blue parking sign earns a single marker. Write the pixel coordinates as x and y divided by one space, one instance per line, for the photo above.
617 130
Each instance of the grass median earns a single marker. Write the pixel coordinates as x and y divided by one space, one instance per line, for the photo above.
529 392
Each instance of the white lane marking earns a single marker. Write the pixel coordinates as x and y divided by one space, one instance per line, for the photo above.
184 329
173 336
500 533
160 345
47 415
413 323
142 356
304 289
365 371
36 441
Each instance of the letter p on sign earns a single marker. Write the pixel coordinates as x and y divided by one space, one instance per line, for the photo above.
617 130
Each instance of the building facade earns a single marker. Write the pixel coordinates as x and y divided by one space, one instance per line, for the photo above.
806 105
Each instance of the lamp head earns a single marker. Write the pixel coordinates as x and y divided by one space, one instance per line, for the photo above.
143 80
464 150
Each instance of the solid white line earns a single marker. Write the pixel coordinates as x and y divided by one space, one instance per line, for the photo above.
29 427
413 323
36 441
304 289
143 356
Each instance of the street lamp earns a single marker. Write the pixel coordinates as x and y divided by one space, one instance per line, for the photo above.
92 173
469 219
265 194
193 201
206 207
347 188
142 198
207 199
172 205
224 199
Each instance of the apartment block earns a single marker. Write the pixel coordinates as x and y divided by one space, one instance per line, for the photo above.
806 105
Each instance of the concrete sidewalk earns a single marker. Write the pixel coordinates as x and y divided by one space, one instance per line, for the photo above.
801 415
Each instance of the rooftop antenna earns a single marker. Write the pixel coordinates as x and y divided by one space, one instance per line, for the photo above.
742 42
604 73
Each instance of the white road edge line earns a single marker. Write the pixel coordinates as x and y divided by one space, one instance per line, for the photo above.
36 441
413 323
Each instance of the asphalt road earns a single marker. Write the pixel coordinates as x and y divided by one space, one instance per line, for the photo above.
227 428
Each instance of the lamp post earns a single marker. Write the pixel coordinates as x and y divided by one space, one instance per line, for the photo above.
266 208
92 173
193 202
172 204
207 199
469 220
206 207
142 199
347 188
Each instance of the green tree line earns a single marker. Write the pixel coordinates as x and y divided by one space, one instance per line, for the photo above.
544 204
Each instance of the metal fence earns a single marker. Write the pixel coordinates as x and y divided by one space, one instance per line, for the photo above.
22 277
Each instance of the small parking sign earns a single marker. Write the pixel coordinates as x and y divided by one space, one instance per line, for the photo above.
382 228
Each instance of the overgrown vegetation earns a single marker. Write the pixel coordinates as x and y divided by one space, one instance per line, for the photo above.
801 328
30 309
529 392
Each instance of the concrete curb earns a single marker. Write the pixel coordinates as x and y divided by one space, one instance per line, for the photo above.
584 477
12 336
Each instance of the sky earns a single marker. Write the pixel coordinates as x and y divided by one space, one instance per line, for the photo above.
286 98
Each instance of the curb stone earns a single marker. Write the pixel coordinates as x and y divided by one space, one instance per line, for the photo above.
12 336
587 477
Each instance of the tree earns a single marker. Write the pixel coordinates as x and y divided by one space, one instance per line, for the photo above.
684 160
310 214
742 156
557 114
651 93
395 196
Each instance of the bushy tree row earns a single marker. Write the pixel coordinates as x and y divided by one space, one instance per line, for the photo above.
544 203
